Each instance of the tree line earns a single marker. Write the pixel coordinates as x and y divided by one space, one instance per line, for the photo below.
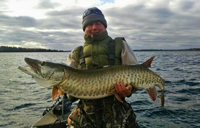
20 49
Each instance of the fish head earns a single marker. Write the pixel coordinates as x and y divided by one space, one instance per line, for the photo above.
46 74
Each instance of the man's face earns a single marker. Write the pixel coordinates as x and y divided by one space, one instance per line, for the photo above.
96 27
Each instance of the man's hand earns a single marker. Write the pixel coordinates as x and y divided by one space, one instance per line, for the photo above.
122 90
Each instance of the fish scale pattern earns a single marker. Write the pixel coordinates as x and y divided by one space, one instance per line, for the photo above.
98 83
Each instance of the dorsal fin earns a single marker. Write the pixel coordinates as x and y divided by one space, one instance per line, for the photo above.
148 62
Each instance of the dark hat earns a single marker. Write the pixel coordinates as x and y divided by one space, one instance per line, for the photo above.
92 15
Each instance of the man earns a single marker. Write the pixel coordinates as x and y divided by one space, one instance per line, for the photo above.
101 50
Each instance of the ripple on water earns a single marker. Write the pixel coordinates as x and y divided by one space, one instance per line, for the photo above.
22 102
24 106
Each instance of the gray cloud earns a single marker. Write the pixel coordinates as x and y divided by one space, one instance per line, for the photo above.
186 5
162 27
156 27
46 4
21 21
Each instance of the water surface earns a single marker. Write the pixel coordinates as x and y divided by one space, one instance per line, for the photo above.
22 101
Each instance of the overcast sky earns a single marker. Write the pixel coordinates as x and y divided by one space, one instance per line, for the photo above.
57 24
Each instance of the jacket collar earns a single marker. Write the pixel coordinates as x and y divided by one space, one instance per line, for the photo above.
96 37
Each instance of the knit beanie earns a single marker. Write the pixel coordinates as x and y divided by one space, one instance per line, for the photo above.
92 15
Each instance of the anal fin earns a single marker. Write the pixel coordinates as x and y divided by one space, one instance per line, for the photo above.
152 92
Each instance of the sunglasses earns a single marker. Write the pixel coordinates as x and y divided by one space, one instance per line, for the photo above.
92 10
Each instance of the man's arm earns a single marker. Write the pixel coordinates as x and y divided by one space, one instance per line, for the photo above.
127 55
70 61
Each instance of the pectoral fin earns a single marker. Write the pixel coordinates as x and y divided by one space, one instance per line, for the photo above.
54 92
152 93
60 92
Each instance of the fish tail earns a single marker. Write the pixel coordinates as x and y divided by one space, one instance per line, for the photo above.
162 98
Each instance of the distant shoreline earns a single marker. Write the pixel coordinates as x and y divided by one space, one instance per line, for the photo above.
190 49
20 49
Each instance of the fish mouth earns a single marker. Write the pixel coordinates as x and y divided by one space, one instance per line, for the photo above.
33 68
33 64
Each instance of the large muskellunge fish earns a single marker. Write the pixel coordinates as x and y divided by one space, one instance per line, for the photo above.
94 84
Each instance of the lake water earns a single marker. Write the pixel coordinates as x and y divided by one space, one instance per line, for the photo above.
22 101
